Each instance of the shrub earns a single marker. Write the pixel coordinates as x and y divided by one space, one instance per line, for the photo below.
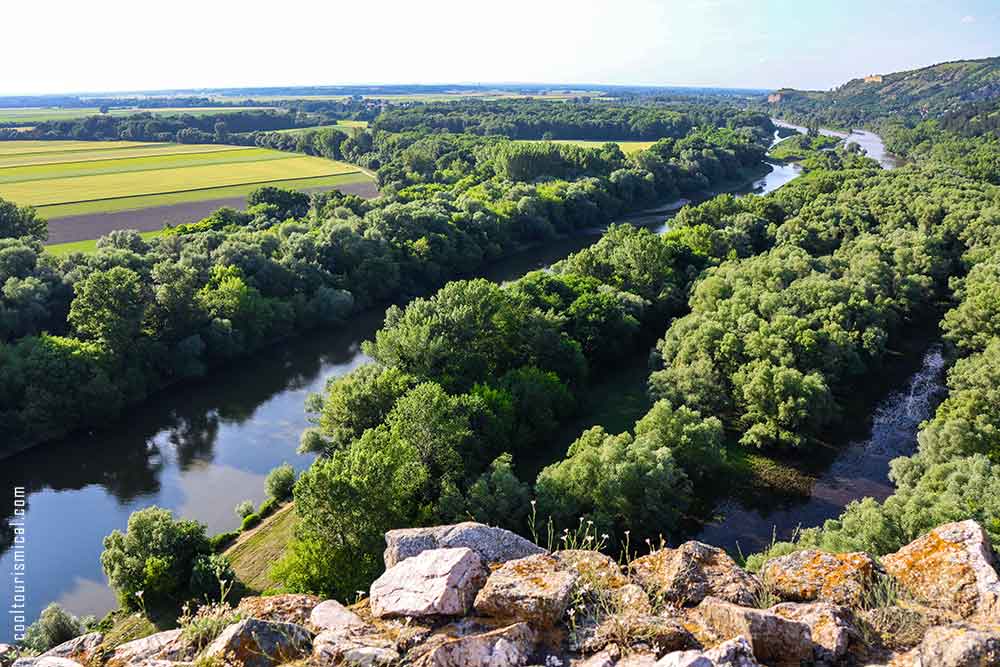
211 577
244 509
155 555
267 507
250 521
223 540
54 626
281 481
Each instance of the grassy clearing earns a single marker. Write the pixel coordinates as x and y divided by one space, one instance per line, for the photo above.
42 114
346 126
75 189
135 203
628 147
62 249
255 552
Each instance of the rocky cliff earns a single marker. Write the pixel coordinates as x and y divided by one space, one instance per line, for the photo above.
471 595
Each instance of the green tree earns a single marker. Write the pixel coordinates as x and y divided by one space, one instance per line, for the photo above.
109 307
16 222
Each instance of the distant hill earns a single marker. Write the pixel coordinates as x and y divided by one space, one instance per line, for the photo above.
914 94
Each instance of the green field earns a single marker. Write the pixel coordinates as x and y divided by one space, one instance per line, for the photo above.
63 178
42 114
628 147
346 126
60 249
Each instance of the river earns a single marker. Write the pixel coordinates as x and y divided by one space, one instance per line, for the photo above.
199 449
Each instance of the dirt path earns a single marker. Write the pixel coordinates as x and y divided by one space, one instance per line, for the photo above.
95 225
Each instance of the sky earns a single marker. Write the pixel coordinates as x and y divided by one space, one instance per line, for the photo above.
62 46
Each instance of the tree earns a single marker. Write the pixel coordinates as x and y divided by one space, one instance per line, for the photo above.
54 626
154 558
498 497
21 221
280 482
109 307
289 203
697 443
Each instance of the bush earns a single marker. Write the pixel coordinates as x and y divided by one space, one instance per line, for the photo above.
223 540
281 481
156 555
244 509
200 628
267 507
250 521
54 626
211 577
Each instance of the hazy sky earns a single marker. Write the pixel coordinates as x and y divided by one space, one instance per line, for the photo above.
110 45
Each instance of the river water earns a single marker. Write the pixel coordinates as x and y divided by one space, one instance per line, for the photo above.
198 450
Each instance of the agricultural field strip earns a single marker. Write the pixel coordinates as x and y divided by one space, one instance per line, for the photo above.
49 171
41 114
140 202
35 147
79 189
60 157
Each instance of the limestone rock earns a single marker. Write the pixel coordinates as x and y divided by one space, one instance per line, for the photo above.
535 589
435 582
606 658
494 545
952 567
733 653
81 648
692 572
331 615
631 599
595 569
510 646
45 661
167 645
774 639
956 645
256 643
831 627
810 575
335 648
287 608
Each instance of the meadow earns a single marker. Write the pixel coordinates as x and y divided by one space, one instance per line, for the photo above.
42 114
628 147
348 127
79 185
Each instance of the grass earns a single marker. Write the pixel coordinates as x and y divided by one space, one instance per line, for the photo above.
346 126
62 249
256 551
43 114
31 146
628 147
98 153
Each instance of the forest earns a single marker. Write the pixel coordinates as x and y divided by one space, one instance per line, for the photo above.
84 336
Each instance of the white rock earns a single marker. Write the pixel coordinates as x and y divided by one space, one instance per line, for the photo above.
331 615
494 545
438 582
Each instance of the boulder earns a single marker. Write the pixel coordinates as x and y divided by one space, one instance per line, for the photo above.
331 615
335 648
437 582
693 571
167 645
510 646
775 639
831 627
535 589
664 633
606 658
45 661
81 648
956 645
809 575
596 570
287 608
253 642
630 599
733 653
952 567
494 545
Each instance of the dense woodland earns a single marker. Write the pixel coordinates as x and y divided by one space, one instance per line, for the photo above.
767 312
84 336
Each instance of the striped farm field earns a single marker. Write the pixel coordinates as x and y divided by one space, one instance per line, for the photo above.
87 188
43 114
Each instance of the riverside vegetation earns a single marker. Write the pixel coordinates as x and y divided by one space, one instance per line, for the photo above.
770 311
